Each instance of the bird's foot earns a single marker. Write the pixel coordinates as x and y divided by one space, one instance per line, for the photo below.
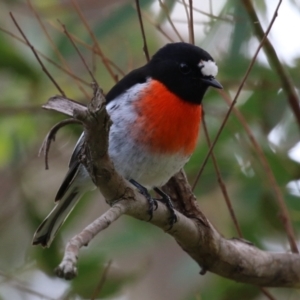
151 202
165 199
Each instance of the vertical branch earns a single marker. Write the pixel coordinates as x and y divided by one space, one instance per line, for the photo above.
188 20
145 47
191 23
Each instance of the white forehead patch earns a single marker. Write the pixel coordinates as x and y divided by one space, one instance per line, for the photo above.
208 68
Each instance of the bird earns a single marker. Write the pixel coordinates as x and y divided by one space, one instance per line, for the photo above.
156 112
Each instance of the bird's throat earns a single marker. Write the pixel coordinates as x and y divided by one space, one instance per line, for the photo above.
167 124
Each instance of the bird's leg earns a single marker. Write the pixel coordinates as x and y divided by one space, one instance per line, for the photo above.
151 202
165 199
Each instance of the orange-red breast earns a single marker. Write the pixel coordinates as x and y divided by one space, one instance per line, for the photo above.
156 114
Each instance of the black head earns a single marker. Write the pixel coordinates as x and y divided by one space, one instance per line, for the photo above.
184 69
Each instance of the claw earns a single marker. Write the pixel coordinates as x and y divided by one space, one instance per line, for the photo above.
151 202
167 201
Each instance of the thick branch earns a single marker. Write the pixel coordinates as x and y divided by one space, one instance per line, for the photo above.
231 258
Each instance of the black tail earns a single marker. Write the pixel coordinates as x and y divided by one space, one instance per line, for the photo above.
49 227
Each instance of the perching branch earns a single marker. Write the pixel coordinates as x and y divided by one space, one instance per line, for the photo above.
232 258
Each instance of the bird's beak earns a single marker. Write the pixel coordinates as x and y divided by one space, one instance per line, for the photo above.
211 81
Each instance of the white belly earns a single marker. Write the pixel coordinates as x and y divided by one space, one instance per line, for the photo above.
131 159
134 162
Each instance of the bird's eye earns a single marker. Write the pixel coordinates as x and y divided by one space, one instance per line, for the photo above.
184 68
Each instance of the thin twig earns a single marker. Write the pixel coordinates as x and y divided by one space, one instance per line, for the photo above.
191 23
274 61
94 62
186 11
78 52
54 47
36 55
145 47
92 48
45 57
21 286
101 281
221 182
267 293
50 137
236 97
209 14
92 35
166 10
269 174
187 19
157 27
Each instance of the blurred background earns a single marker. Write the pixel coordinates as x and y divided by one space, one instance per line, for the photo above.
145 263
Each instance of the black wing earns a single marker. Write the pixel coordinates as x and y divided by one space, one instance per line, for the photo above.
134 77
73 168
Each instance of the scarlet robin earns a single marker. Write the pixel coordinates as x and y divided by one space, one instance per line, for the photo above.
156 113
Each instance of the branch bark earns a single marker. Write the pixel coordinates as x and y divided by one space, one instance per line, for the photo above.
235 259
